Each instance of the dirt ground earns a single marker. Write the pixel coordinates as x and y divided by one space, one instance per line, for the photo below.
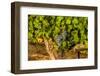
38 52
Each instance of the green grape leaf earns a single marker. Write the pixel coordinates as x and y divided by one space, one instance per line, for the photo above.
75 20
